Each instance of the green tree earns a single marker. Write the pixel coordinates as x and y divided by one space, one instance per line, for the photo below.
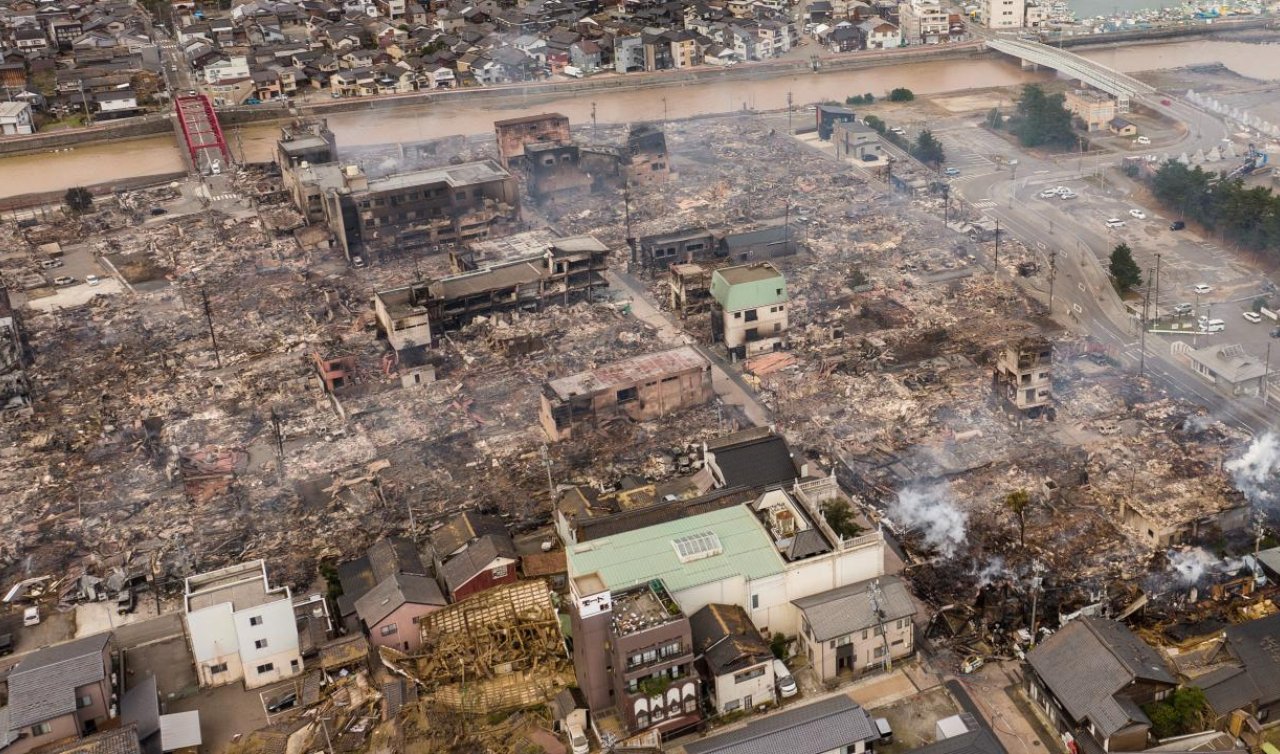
78 199
901 95
1041 119
1125 272
1183 712
840 517
1018 501
875 124
778 645
928 149
994 119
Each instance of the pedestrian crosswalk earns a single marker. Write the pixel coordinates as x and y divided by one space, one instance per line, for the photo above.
224 197
985 203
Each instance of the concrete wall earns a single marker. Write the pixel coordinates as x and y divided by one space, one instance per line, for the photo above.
823 655
127 128
212 633
279 629
729 692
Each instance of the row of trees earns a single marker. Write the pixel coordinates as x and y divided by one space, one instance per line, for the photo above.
861 99
926 148
1247 216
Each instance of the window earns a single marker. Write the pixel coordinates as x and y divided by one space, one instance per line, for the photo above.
83 701
755 602
732 706
671 650
388 629
219 668
267 667
878 652
460 195
255 620
737 315
752 315
40 729
628 394
748 675
500 572
260 644
293 664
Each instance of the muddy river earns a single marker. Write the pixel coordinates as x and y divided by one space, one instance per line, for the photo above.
100 163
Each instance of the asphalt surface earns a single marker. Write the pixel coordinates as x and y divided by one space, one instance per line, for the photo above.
1082 292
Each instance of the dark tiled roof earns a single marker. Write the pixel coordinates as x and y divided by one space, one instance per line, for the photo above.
356 577
1088 662
465 526
394 591
757 463
122 740
844 610
806 544
464 566
980 741
812 729
43 684
727 640
1257 679
392 555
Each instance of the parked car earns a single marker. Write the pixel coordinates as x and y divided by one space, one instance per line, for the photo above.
1202 289
31 616
1115 222
283 703
1137 214
885 730
972 664
952 171
64 280
1275 332
1182 309
1068 194
92 279
1048 193
1143 140
49 264
575 727
1177 225
782 676
6 644
126 601
357 262
1253 317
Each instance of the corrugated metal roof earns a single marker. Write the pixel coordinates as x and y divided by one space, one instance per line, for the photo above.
180 730
844 610
639 556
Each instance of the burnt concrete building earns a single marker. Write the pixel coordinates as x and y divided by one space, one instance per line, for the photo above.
640 388
555 168
15 387
515 134
566 271
1023 374
303 144
646 161
633 653
677 247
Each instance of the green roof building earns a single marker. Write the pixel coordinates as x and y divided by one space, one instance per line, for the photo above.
749 314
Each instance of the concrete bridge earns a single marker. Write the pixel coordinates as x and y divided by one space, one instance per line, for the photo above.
1119 85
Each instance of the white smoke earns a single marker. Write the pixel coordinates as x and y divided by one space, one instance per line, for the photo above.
1255 472
1192 564
930 511
993 570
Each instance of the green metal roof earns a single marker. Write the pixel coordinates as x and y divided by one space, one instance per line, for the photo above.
748 286
639 556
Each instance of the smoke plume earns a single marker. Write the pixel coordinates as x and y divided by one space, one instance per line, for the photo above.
1255 472
1192 564
993 570
930 511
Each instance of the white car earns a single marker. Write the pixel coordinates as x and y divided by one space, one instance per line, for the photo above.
1060 190
1201 288
1115 222
1143 140
1253 317
1137 214
1048 193
92 279
1068 194
31 616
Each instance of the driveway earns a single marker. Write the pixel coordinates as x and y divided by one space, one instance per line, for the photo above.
169 661
225 713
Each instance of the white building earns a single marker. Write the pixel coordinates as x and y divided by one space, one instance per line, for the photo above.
240 628
760 556
749 314
15 119
1004 14
227 71
924 22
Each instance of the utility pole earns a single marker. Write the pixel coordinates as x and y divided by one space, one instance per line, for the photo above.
1142 337
1035 595
551 485
1157 302
1266 374
208 316
1053 273
626 211
595 133
995 264
789 112
664 112
946 203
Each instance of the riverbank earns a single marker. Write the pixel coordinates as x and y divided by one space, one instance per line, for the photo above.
535 93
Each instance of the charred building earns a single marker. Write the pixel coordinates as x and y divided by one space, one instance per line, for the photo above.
640 388
15 388
646 159
565 272
515 135
1023 374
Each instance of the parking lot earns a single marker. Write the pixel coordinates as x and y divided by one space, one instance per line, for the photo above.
913 719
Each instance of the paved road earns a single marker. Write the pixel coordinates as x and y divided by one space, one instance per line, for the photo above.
166 626
1082 292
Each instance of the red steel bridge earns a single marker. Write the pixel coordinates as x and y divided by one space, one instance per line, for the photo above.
201 133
